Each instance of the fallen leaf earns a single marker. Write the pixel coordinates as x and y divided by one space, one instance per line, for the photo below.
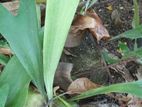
81 85
5 51
69 53
99 31
82 23
12 6
94 15
55 90
120 98
62 76
134 102
74 38
109 8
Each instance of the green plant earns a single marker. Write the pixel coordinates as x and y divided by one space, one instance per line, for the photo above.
24 37
136 18
37 52
57 25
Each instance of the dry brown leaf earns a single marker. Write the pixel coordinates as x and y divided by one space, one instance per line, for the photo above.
81 85
99 31
134 102
55 89
12 6
94 15
69 53
5 51
74 39
62 75
81 23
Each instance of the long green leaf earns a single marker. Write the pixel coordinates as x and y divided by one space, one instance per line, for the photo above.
134 33
16 77
22 34
4 90
134 88
136 18
59 15
131 34
92 2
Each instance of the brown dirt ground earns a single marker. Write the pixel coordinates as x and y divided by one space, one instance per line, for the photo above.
88 62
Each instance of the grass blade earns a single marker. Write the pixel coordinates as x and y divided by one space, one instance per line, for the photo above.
134 88
131 34
92 2
136 18
59 15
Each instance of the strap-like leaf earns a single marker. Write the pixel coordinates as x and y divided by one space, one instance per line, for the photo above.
134 88
59 15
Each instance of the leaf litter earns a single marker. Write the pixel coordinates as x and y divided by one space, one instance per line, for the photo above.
90 21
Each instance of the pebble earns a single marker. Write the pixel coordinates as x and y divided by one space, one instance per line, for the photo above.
121 8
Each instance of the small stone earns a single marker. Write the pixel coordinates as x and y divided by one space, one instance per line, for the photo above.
100 10
121 8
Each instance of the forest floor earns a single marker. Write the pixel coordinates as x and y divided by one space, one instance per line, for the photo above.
88 62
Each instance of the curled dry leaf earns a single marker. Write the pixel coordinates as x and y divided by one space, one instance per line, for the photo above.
74 39
62 75
12 6
99 31
55 89
81 23
81 85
